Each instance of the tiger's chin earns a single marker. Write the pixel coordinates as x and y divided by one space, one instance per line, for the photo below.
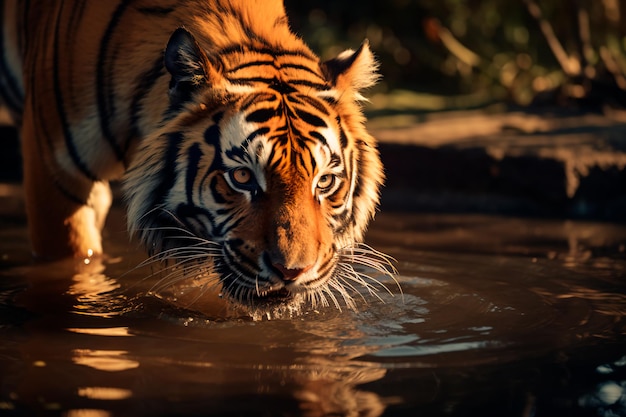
273 299
273 304
207 296
199 278
290 297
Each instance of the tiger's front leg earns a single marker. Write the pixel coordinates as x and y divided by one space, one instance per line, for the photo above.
65 217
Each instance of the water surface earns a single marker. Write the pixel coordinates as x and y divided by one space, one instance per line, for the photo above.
496 317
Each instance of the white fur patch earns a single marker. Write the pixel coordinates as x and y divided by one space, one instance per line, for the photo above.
332 139
234 133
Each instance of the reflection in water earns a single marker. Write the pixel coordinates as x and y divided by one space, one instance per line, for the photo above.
104 360
94 292
87 413
311 357
608 397
499 317
105 331
104 393
330 398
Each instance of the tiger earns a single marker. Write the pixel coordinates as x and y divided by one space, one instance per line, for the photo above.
240 152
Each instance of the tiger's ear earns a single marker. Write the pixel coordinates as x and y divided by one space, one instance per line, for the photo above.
353 71
189 66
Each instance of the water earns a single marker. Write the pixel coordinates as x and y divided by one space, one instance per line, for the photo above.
497 317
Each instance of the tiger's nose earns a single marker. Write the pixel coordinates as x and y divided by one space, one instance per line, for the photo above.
290 274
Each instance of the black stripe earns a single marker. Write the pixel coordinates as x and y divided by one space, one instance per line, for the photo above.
191 216
328 263
310 118
261 131
48 141
217 197
330 100
300 67
319 137
318 105
293 98
271 158
313 161
237 153
266 80
303 68
145 82
251 64
272 62
67 134
44 132
300 156
74 24
156 10
201 185
167 175
343 228
256 98
238 48
355 169
250 80
323 272
343 139
317 86
194 154
11 95
220 9
104 75
222 228
282 87
71 27
232 248
212 135
261 115
227 225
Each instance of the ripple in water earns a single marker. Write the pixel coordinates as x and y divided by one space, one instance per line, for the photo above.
458 312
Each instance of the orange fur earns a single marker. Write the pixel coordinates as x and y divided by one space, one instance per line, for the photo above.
100 99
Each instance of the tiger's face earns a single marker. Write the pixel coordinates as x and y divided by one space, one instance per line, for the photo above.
284 187
268 184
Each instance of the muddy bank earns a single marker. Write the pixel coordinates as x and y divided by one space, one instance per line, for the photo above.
540 163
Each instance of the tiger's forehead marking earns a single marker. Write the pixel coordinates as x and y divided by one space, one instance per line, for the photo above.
332 139
252 65
290 87
280 126
234 135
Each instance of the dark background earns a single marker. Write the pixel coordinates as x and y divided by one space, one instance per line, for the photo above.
502 49
516 52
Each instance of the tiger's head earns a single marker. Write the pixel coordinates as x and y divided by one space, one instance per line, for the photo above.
263 173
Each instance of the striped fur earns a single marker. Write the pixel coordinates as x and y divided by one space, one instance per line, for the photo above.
239 149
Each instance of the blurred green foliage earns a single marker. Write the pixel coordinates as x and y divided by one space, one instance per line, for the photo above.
495 49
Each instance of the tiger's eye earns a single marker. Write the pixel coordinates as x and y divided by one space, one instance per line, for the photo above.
242 176
326 181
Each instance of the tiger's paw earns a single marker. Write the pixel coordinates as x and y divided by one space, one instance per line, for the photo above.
66 230
86 224
85 239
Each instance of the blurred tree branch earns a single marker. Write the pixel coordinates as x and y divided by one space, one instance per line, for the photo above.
569 66
485 48
599 82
